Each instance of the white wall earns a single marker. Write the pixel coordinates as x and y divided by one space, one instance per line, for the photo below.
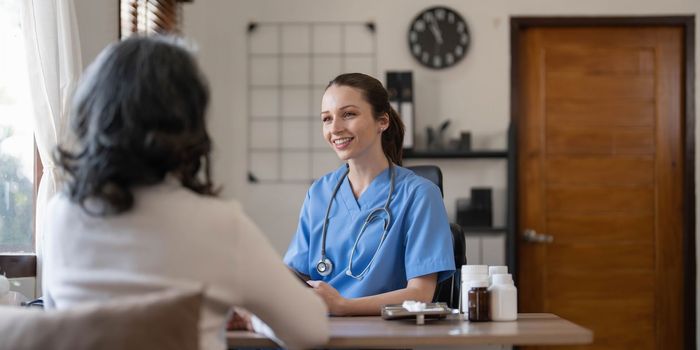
98 24
474 94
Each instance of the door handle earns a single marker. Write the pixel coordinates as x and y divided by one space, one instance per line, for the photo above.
530 235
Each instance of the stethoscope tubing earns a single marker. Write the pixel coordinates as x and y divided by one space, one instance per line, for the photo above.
325 266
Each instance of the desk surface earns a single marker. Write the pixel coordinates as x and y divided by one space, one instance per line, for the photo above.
374 332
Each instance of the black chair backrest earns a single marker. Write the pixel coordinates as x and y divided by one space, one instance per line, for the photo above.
447 291
430 172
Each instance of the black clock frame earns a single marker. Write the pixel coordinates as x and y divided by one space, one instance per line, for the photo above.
453 32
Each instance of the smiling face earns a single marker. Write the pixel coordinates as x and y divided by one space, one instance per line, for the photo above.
349 125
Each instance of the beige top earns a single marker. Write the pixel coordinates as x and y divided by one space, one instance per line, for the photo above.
173 237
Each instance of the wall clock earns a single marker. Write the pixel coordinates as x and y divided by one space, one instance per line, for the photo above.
438 37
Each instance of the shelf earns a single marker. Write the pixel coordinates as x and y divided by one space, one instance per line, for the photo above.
490 229
408 154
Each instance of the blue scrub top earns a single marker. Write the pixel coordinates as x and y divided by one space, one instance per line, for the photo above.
418 242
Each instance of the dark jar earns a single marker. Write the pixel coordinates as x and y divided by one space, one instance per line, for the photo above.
479 302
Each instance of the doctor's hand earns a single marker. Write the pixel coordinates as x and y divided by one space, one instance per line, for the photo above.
335 302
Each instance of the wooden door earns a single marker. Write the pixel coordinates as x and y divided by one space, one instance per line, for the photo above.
600 172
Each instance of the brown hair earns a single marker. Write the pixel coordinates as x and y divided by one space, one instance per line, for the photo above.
376 95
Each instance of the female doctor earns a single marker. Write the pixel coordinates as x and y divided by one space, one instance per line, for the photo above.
370 232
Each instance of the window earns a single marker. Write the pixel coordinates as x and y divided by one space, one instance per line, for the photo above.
16 137
150 16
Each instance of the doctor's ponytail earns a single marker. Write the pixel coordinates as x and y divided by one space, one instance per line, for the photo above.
392 137
376 95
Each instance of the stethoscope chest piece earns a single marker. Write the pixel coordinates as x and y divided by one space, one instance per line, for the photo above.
324 267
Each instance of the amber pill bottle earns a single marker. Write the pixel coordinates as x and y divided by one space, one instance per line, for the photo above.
479 301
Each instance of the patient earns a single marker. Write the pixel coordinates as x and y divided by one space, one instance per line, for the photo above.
140 211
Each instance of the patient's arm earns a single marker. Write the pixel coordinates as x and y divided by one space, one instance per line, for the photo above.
270 291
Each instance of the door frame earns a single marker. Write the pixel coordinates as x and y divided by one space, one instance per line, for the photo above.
517 26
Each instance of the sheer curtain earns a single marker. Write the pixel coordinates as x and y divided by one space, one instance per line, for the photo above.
53 57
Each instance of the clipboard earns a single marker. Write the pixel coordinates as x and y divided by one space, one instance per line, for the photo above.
301 277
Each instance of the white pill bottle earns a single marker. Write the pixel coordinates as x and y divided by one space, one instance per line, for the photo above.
504 298
8 297
471 273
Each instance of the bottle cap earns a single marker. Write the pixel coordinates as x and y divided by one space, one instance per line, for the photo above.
502 278
478 284
475 269
497 269
474 276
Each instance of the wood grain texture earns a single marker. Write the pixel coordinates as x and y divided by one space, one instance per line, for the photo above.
579 86
601 113
612 319
600 257
669 172
632 37
568 138
584 59
597 199
586 170
374 332
602 227
614 284
531 268
600 172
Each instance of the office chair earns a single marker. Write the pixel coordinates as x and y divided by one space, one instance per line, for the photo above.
167 319
447 291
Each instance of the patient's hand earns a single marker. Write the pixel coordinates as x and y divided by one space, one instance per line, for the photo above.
240 320
335 302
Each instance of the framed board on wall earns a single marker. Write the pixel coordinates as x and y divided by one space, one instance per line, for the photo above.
289 66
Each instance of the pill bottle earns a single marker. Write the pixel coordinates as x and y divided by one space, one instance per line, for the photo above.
478 301
504 298
470 273
496 269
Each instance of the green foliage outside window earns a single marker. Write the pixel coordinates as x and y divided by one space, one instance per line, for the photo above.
16 202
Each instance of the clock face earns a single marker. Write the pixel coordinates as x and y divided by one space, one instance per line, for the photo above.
438 37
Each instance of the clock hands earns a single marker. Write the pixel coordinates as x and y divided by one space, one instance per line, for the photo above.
438 37
435 30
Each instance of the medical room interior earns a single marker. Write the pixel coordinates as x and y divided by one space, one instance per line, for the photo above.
564 130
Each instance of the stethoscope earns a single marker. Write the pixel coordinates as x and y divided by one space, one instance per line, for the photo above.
324 267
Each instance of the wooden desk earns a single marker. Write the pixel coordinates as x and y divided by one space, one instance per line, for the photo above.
374 332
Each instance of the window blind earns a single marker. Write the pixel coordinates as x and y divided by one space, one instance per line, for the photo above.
148 17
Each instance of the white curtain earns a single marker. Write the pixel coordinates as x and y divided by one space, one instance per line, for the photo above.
54 62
